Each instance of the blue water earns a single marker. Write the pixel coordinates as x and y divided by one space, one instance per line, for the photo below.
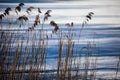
105 23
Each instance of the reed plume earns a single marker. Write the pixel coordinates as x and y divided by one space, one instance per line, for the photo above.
7 11
36 22
88 18
22 18
46 15
21 4
69 24
1 17
39 11
29 9
56 27
18 8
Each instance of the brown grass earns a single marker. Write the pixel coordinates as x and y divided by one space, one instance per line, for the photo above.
68 67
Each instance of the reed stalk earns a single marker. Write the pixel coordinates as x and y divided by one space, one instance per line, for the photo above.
117 69
59 58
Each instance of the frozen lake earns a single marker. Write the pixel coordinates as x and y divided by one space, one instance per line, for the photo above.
105 24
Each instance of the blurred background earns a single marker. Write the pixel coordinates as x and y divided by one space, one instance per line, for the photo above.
43 1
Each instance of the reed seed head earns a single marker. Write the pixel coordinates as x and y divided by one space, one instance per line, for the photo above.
47 14
69 24
1 16
21 4
18 8
22 18
7 10
56 27
39 11
89 16
29 9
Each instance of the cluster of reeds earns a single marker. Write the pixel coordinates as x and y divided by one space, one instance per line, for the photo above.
69 67
5 13
20 59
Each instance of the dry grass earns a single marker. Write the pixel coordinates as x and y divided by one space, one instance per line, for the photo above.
33 66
